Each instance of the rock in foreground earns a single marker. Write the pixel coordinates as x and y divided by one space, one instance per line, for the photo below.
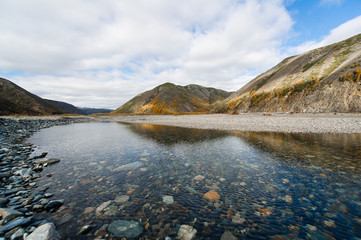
127 229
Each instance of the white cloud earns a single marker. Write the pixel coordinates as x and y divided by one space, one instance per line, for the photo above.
93 53
342 32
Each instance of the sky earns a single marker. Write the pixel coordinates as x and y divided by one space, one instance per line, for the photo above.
102 53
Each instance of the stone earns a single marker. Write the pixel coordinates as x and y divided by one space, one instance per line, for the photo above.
329 223
129 166
54 204
168 200
88 210
212 196
18 234
9 214
227 235
46 231
85 229
121 199
237 219
126 229
198 178
3 201
102 207
48 161
265 211
288 198
18 222
186 232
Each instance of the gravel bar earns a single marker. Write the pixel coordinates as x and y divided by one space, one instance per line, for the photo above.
256 122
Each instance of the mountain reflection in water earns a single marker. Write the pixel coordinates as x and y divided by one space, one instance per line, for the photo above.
271 185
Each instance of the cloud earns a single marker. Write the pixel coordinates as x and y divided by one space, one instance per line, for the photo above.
342 32
101 54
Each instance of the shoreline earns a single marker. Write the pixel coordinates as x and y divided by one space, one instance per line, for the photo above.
343 123
254 122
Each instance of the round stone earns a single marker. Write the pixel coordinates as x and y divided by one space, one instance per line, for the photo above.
127 229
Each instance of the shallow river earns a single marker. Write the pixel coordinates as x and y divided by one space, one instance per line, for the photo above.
271 185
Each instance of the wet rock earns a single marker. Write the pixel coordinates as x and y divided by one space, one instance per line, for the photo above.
212 196
18 234
9 214
227 235
329 223
121 199
3 201
129 166
54 204
111 210
186 232
237 219
18 222
102 207
126 229
85 229
168 200
88 210
44 232
48 161
198 178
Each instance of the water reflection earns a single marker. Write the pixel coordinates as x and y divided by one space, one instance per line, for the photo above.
174 135
334 152
278 186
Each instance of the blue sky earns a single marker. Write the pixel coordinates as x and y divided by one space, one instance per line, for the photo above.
103 53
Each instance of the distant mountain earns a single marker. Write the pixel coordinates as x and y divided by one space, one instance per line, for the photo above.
16 100
66 107
326 79
169 98
89 111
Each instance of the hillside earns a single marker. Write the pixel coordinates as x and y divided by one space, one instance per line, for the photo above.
326 79
66 107
169 98
90 111
16 100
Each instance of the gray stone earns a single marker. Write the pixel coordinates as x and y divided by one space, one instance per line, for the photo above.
168 200
186 232
18 222
44 232
48 161
3 201
9 214
18 234
85 229
227 235
121 199
54 204
127 229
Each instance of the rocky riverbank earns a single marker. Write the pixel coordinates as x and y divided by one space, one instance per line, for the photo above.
255 122
20 200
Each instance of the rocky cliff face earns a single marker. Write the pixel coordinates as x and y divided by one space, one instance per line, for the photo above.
169 98
326 79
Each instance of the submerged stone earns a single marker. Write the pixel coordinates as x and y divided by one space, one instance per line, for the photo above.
168 200
212 196
186 232
127 229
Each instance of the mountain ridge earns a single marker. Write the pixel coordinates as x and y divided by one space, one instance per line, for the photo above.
169 98
325 79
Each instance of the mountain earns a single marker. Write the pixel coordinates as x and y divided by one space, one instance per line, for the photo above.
66 107
326 79
16 100
89 111
169 98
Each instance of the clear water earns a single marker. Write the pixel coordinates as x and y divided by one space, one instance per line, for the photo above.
271 185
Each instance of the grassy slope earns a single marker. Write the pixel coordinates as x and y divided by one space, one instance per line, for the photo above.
297 80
